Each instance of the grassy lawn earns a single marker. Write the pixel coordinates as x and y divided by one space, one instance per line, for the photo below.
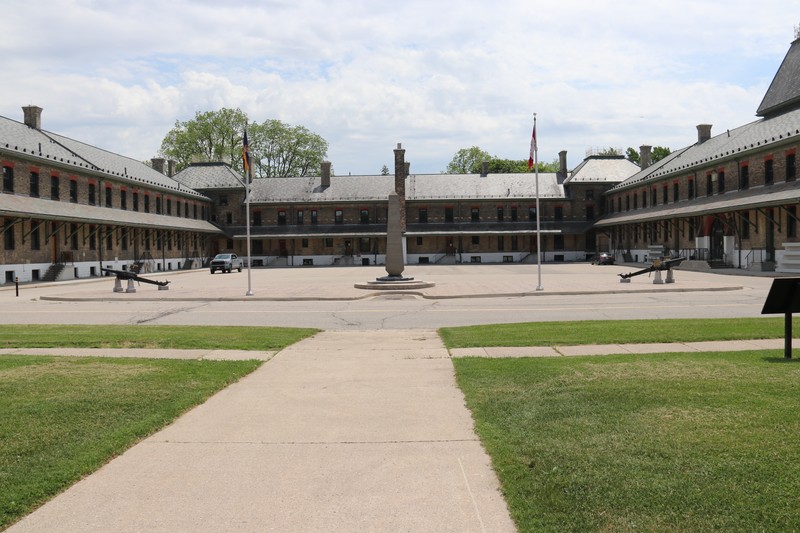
138 336
668 442
62 418
614 332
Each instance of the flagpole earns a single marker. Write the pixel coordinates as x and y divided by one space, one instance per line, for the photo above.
247 186
538 224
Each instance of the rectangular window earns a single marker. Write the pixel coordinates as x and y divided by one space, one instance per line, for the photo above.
636 200
791 222
109 197
110 239
653 197
558 214
338 216
644 198
364 216
36 242
589 195
419 241
158 205
769 172
314 216
169 206
589 212
475 214
744 177
514 243
34 190
558 242
186 213
256 218
500 214
304 243
328 242
123 199
628 202
8 234
194 211
146 203
476 240
709 185
281 218
513 213
423 215
691 190
135 201
532 214
676 192
73 236
501 243
791 171
721 182
92 240
300 218
55 192
92 194
73 191
8 179
664 195
448 214
745 225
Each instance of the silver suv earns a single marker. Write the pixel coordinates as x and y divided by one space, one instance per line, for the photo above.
226 263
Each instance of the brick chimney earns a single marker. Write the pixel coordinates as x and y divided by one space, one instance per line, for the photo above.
33 116
484 169
325 175
172 165
645 157
703 133
158 164
562 166
400 172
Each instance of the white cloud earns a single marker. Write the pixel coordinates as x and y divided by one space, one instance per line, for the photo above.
437 75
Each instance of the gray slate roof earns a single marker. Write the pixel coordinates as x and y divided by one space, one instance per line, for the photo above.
201 176
37 208
784 91
603 169
418 187
735 143
50 148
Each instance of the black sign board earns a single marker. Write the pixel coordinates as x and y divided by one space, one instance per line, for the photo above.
784 298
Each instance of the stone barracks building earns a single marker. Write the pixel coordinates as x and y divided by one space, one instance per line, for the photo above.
68 209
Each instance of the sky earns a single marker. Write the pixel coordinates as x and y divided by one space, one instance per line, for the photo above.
434 75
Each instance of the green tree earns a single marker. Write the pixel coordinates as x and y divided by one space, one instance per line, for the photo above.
210 136
280 150
656 154
276 149
467 161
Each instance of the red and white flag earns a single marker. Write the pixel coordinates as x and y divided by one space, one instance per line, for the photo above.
533 146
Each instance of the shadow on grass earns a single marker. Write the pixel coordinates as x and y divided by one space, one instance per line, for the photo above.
779 360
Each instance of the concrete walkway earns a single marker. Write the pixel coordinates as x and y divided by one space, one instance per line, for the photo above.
345 431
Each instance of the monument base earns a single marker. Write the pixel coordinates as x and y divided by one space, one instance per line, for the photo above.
394 283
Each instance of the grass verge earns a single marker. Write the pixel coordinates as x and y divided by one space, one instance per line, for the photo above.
62 418
614 332
669 442
139 336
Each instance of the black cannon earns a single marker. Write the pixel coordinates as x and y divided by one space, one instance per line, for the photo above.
123 275
657 266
